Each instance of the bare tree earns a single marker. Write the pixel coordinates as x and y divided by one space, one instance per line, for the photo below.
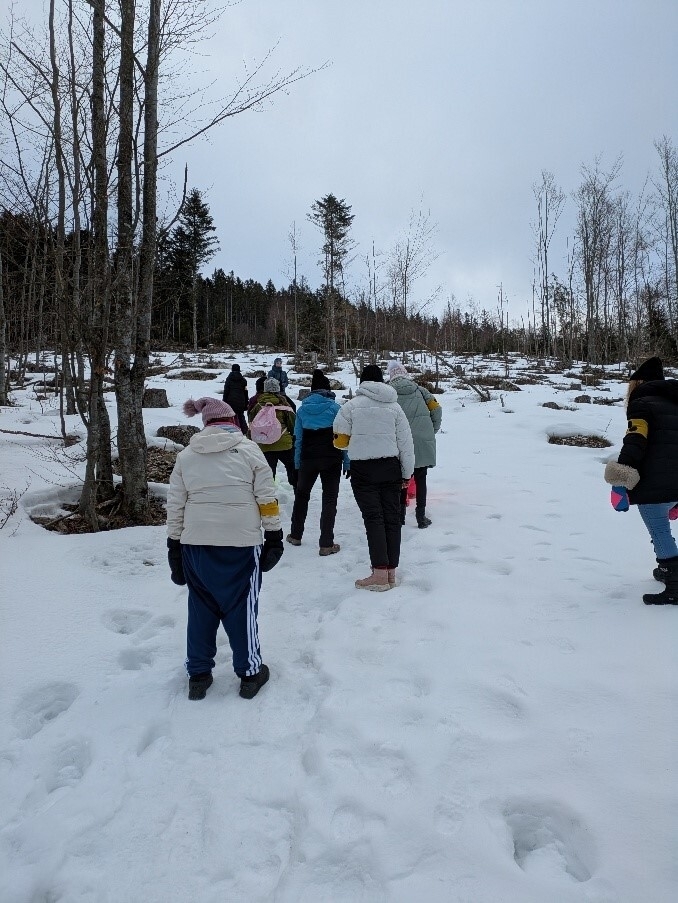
550 200
667 192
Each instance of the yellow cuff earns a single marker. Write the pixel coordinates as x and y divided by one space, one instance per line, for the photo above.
638 426
341 440
269 509
432 404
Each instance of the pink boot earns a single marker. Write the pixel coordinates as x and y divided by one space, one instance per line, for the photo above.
377 581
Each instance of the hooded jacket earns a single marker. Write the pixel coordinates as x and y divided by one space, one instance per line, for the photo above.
424 416
313 431
651 442
221 491
286 419
373 425
279 374
235 392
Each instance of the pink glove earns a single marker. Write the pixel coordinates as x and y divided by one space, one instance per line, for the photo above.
673 513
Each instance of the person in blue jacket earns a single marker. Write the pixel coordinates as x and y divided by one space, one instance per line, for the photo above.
315 456
277 372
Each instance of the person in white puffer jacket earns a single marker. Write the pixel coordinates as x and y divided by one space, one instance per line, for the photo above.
374 429
221 494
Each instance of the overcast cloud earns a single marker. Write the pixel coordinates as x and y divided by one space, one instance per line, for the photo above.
460 102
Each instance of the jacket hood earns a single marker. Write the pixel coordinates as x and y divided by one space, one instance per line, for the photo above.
271 398
213 439
320 393
665 388
403 385
377 392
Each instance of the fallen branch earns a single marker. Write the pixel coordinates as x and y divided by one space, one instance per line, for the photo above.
67 440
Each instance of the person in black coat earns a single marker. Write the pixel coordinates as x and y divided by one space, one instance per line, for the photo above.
646 471
235 394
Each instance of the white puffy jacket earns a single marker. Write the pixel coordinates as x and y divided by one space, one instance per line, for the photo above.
221 492
376 426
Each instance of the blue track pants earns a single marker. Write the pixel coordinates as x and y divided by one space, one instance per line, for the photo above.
223 587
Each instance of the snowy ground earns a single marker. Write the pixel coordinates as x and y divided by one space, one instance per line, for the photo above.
501 728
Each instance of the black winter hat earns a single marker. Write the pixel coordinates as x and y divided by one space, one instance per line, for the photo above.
236 367
319 381
372 374
259 384
649 370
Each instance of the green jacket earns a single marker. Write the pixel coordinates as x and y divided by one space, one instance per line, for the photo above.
286 418
424 415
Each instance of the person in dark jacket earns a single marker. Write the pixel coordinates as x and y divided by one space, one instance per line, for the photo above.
235 394
315 456
259 388
277 372
646 471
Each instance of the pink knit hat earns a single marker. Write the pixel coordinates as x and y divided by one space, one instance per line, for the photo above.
395 368
213 410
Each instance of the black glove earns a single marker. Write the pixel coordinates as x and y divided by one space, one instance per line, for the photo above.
175 561
272 551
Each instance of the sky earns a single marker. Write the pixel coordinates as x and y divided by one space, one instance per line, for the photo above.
454 106
498 728
450 106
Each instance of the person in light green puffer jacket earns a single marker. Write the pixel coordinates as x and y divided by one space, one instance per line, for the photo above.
425 416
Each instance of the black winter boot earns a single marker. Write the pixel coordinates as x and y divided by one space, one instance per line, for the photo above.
199 684
670 594
422 520
659 573
250 686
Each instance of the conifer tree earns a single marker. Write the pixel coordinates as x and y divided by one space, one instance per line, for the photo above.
192 245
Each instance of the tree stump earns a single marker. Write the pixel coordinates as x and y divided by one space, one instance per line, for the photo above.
303 393
155 398
179 434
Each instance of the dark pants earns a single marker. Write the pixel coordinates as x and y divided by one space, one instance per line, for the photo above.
420 482
330 478
286 458
223 587
376 487
242 422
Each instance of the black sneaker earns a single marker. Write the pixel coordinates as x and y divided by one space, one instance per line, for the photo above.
250 686
199 684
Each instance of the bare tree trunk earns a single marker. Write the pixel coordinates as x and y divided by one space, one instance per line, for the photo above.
3 340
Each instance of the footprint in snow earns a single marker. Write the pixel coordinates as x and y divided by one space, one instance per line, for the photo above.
70 763
42 705
549 840
126 621
135 659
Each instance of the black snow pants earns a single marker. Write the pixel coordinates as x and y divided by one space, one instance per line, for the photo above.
330 478
376 486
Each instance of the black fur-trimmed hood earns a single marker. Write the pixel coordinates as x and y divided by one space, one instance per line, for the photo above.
663 388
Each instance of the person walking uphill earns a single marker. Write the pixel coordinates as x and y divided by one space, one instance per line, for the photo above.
275 436
374 430
221 494
235 395
315 456
424 416
646 471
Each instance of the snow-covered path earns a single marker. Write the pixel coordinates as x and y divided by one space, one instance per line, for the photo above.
500 727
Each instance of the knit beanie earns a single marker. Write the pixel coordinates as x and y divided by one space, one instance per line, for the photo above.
236 367
319 381
649 370
395 368
213 410
372 374
259 384
272 385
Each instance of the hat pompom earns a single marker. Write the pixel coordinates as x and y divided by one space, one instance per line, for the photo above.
191 407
